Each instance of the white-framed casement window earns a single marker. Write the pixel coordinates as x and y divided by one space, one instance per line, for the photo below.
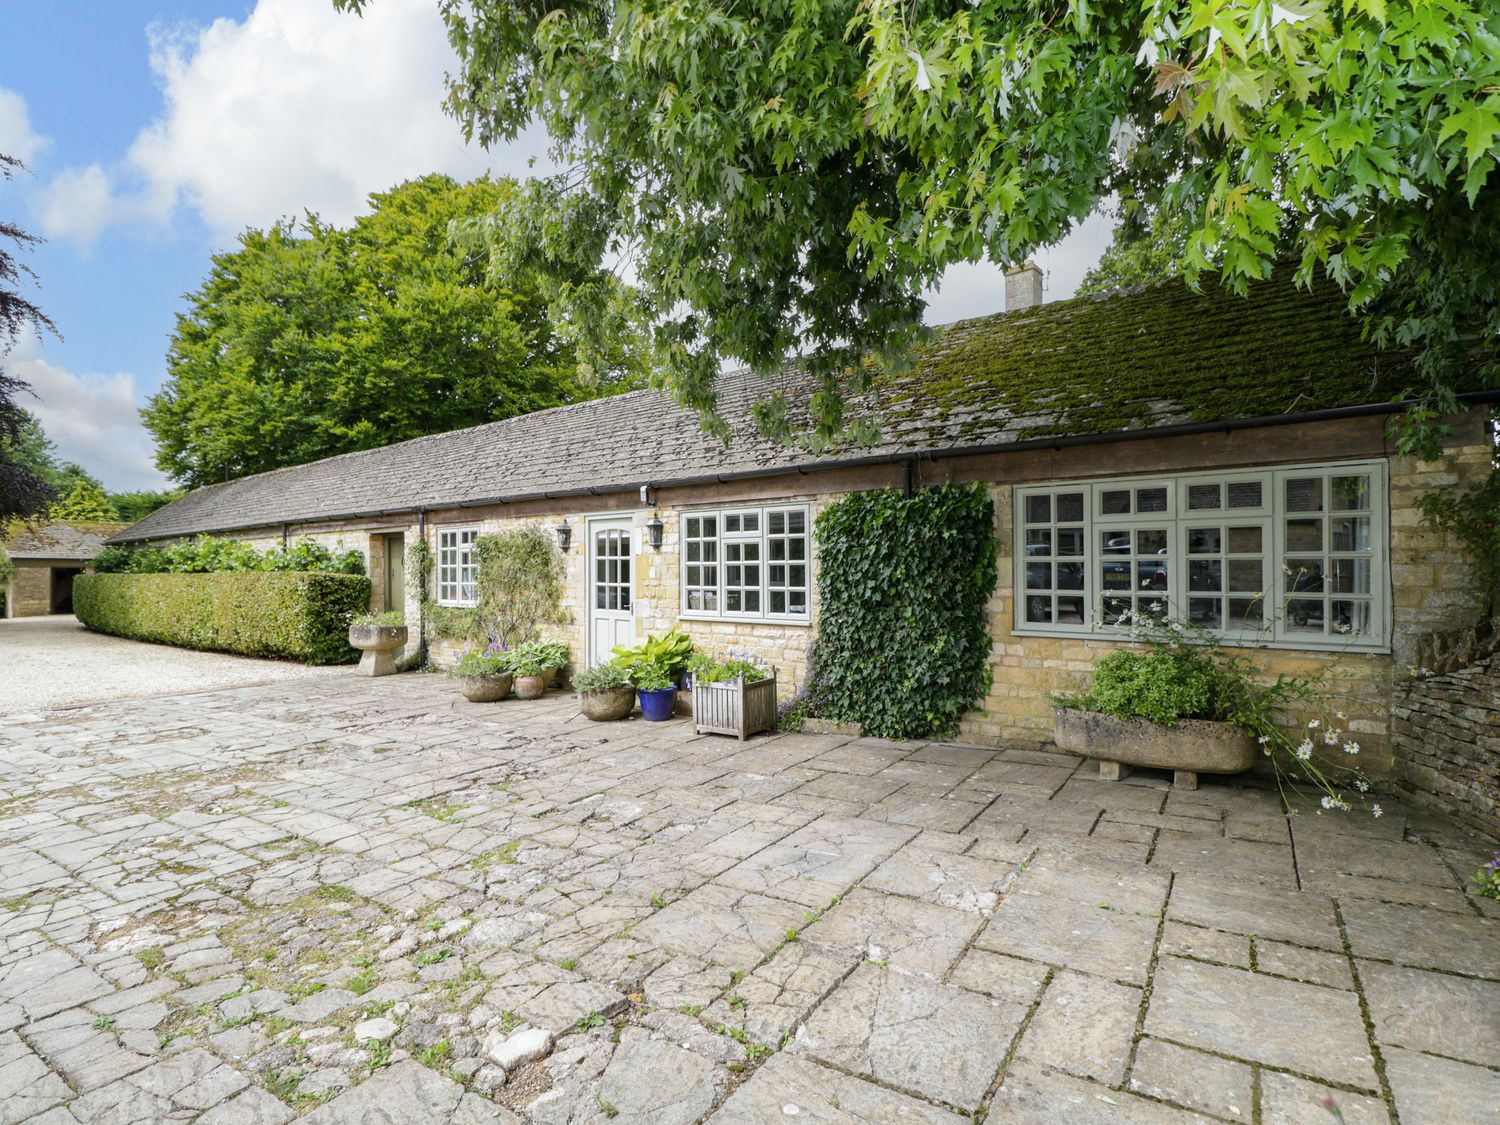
747 563
1293 556
456 569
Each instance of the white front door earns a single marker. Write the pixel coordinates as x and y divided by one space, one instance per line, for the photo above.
611 617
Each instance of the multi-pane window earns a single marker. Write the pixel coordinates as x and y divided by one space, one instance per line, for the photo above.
612 568
1290 556
456 568
746 562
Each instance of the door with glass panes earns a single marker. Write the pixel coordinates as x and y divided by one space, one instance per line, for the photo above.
611 617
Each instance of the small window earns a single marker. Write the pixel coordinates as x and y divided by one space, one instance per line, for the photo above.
457 573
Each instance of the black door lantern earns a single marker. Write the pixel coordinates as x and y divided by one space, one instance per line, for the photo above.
653 532
564 535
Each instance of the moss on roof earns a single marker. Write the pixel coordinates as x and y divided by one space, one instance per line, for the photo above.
1149 356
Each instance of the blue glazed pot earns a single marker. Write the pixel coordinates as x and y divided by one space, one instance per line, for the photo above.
656 706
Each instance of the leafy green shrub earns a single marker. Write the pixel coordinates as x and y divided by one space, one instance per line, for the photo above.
606 677
520 575
491 660
651 677
1162 685
672 650
209 555
706 670
387 620
1487 879
903 641
286 615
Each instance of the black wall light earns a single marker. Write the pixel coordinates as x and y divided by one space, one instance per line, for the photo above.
653 531
564 535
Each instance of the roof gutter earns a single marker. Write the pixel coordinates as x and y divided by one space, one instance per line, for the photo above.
906 459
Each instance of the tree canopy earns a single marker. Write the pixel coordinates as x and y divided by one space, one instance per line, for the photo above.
310 340
86 500
22 491
1152 250
786 176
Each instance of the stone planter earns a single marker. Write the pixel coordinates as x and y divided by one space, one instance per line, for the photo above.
1187 748
378 645
734 707
485 689
684 704
607 706
531 687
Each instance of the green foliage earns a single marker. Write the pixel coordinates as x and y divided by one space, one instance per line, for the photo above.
309 340
1162 685
788 178
286 615
520 583
1487 879
136 506
1150 248
903 640
84 501
207 554
457 623
706 670
489 661
533 658
671 651
389 619
1472 514
651 677
605 677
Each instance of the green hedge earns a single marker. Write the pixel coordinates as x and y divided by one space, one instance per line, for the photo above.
903 642
283 614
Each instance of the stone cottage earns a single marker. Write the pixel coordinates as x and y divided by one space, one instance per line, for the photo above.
1216 454
44 560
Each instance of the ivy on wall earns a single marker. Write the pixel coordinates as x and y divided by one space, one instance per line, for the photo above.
903 639
520 584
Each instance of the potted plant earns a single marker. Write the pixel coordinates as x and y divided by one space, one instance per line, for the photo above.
733 696
654 684
532 671
605 693
553 654
378 636
483 675
1182 702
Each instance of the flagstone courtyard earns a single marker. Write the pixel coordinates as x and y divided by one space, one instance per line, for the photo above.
370 901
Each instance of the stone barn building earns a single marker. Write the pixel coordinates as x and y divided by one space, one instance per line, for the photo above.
45 559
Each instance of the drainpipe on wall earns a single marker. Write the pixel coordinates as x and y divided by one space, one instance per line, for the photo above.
909 476
422 597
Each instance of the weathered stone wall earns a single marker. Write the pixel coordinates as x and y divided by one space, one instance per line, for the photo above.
1446 731
28 591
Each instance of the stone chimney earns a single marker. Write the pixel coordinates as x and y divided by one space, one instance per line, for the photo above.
1023 287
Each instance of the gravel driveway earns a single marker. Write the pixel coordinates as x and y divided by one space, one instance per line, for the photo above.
56 662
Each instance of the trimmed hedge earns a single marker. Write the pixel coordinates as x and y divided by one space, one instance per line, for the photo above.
287 615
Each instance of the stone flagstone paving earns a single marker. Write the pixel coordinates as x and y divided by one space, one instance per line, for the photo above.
203 896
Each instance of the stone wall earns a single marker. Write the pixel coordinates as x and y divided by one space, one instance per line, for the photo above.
28 591
1446 731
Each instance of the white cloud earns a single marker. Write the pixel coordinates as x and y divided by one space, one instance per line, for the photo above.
16 135
77 205
92 418
295 107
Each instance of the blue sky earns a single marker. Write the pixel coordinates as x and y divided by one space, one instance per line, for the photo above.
155 130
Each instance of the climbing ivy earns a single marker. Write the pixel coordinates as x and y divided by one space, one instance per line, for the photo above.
520 584
903 639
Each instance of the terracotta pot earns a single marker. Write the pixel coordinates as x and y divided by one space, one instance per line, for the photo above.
607 706
530 687
485 689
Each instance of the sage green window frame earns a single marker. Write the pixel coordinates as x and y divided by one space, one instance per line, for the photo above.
1319 532
744 537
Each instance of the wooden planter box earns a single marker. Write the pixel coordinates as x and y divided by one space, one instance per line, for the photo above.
734 707
1187 747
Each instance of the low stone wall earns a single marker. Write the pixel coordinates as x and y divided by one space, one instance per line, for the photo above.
1446 734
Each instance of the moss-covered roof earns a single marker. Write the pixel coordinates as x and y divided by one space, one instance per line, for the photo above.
1151 356
63 539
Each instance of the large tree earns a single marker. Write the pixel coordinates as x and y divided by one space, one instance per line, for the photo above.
23 492
788 175
310 339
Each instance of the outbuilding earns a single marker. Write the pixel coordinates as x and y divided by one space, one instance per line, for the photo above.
43 561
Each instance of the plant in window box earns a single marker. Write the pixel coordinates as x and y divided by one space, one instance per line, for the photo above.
483 675
1185 703
378 636
605 693
735 696
657 690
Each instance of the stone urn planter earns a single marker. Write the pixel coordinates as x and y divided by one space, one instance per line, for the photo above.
531 687
378 645
734 707
485 689
1187 747
607 706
